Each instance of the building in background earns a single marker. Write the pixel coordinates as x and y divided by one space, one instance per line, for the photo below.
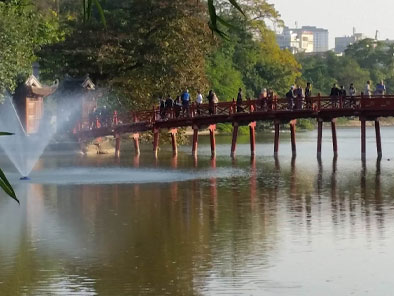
307 39
320 38
296 40
341 43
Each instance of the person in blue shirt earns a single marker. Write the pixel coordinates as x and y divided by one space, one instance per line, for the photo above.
185 97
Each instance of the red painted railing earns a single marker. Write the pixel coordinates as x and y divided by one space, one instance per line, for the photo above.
276 105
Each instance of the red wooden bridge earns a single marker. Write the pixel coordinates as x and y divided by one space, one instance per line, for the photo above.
278 110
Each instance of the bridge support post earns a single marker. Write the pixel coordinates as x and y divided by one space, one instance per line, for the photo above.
252 132
212 129
117 145
293 137
173 133
136 144
276 141
234 141
319 136
363 138
155 141
195 140
334 137
378 138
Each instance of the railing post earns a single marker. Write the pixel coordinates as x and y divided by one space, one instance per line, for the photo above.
234 141
318 102
136 144
293 136
334 137
193 111
252 132
173 133
362 102
212 129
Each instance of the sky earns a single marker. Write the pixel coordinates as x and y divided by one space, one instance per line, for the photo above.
340 16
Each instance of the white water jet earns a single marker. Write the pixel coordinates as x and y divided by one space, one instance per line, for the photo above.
23 150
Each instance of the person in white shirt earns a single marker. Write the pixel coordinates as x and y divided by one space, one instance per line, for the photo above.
367 90
199 102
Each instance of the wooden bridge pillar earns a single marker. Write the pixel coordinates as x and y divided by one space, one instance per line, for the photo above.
252 131
378 138
319 136
276 141
136 143
155 141
173 133
212 129
334 137
117 145
195 140
363 138
234 141
293 137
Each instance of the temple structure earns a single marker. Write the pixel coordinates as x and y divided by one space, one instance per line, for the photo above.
29 102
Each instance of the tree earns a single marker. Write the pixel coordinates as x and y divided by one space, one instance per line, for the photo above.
134 58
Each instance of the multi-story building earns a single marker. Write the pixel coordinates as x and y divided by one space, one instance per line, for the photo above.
295 40
341 43
320 38
306 39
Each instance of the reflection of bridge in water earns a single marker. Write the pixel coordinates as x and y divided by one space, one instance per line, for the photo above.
323 109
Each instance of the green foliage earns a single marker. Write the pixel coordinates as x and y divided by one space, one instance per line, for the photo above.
22 31
147 49
4 184
250 58
305 124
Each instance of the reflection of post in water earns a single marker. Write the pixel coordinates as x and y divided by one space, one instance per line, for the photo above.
195 161
379 210
253 180
213 189
277 176
293 186
363 178
174 162
334 202
136 161
319 176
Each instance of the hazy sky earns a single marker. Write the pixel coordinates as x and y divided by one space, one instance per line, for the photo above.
340 16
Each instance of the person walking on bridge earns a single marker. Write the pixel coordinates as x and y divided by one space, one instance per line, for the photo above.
335 92
198 102
239 101
308 95
211 102
290 98
185 97
367 90
342 94
263 99
380 89
352 94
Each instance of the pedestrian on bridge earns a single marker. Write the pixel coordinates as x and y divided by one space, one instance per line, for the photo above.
380 88
185 97
177 106
352 94
169 106
211 102
342 94
367 90
239 100
290 95
299 94
199 102
263 99
308 95
335 93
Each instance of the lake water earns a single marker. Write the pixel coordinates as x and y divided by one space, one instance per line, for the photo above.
100 226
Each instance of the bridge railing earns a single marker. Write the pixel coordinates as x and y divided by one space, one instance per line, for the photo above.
313 104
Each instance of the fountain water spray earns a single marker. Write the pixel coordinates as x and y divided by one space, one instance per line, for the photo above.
24 150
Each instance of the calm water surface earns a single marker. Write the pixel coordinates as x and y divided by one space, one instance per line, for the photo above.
97 226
